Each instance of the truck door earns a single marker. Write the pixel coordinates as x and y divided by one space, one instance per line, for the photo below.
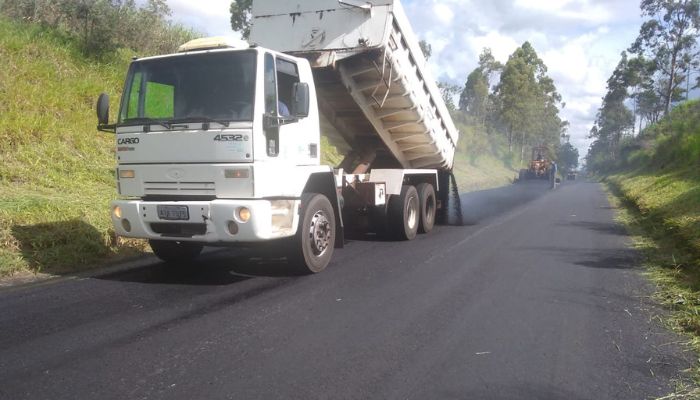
272 131
292 137
289 140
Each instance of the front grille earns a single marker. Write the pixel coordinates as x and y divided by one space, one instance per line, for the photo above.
174 188
179 230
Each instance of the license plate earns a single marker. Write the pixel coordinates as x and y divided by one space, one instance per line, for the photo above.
173 213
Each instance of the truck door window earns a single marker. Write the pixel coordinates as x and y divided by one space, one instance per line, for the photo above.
270 92
287 76
134 93
148 97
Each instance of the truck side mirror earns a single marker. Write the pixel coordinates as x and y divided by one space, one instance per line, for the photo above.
300 100
103 109
103 114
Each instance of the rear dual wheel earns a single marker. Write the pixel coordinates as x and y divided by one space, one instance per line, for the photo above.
412 211
403 213
428 207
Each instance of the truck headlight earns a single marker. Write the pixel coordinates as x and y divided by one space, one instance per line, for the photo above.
282 216
117 212
243 214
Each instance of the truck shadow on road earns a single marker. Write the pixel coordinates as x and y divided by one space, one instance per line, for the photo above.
55 247
216 268
592 258
609 228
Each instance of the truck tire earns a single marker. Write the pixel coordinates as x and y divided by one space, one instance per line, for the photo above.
314 242
403 214
174 252
428 207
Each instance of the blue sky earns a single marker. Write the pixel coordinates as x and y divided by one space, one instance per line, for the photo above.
579 40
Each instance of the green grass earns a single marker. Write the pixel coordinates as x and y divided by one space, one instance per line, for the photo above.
488 171
672 267
481 161
56 170
658 181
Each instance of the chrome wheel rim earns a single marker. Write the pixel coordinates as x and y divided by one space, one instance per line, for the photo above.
320 233
412 212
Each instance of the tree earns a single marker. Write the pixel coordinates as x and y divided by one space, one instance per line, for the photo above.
669 38
527 100
448 92
640 80
614 120
488 64
475 95
475 99
567 157
102 26
241 17
426 48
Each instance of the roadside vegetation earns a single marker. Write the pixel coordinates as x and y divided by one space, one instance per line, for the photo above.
56 171
647 150
657 183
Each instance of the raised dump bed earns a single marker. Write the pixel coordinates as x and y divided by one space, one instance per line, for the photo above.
376 96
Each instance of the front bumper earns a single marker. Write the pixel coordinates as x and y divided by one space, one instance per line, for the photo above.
215 221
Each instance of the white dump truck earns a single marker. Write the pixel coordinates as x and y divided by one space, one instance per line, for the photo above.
219 145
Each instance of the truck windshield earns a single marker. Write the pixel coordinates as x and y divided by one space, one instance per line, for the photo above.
217 86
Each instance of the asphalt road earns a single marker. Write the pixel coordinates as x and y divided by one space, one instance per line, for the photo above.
537 298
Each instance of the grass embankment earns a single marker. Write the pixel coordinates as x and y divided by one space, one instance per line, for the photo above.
488 171
56 171
658 180
481 160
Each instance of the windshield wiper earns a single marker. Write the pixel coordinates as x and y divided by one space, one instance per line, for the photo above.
200 119
149 121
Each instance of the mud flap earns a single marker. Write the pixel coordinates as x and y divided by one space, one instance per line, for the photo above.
450 212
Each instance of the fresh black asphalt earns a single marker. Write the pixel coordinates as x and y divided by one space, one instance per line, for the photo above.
538 297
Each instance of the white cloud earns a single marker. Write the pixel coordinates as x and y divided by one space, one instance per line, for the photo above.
210 17
579 40
581 10
443 12
501 45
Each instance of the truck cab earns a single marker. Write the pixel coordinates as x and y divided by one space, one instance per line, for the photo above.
216 144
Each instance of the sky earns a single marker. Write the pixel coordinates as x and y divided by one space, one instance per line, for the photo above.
580 41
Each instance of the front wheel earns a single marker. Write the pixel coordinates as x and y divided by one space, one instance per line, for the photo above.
314 242
175 252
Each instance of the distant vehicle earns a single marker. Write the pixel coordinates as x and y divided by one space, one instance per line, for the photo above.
540 167
571 176
220 146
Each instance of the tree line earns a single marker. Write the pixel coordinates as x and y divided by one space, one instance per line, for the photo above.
103 26
653 74
516 102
